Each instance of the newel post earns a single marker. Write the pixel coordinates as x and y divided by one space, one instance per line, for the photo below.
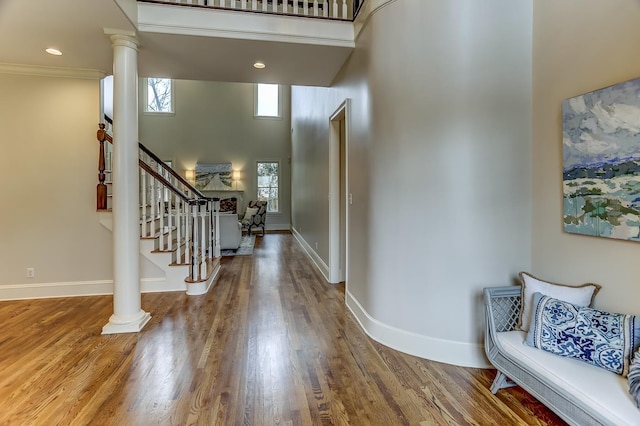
101 189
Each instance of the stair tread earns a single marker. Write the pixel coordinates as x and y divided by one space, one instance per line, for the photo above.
158 233
175 246
212 263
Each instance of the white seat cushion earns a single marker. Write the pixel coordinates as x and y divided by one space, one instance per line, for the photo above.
605 392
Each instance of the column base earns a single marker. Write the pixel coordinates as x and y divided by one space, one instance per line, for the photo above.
133 325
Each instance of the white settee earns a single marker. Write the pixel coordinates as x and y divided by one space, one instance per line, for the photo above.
230 231
580 393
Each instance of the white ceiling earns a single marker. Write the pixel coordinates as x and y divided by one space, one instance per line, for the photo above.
76 27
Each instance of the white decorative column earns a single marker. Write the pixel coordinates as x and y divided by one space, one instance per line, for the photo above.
128 316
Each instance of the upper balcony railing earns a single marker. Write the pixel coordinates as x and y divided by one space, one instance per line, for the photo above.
332 9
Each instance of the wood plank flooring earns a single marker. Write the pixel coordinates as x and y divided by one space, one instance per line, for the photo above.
271 344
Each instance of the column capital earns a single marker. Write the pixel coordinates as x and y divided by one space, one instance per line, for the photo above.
125 41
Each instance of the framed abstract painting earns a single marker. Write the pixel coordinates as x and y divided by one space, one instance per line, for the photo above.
601 162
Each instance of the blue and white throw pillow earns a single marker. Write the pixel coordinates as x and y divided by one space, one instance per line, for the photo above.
600 338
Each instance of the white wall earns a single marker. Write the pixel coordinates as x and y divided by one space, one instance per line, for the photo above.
214 123
579 46
48 177
439 169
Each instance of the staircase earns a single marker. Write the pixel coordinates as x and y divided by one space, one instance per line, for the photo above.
178 224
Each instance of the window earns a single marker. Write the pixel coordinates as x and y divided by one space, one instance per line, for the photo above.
267 101
158 95
268 184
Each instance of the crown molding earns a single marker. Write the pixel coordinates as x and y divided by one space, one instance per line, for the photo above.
42 71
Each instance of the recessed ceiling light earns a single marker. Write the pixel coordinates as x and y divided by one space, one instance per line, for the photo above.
259 65
52 51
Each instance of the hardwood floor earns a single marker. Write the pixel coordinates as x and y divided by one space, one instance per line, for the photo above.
271 344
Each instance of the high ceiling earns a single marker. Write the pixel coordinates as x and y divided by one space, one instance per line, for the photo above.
28 27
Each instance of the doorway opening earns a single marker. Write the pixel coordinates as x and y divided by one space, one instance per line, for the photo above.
339 196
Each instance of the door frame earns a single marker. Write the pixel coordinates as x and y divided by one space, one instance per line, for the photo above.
342 114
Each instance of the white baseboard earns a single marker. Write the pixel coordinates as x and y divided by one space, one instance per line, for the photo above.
315 258
446 351
80 288
197 289
278 227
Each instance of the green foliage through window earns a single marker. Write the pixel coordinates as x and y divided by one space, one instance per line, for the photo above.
268 184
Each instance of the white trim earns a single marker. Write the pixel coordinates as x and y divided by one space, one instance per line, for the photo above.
342 114
197 289
367 10
278 227
315 258
78 288
19 69
440 350
175 19
132 324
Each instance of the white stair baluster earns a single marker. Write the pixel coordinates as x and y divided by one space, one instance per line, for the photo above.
143 202
325 8
335 8
254 4
264 5
305 7
187 233
222 3
344 9
194 242
274 6
217 229
161 210
170 219
243 4
152 200
210 235
315 7
203 240
295 7
178 222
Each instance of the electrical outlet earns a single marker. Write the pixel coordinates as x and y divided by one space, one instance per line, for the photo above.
31 272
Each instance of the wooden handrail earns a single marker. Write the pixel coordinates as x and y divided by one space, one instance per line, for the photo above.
157 160
163 181
170 170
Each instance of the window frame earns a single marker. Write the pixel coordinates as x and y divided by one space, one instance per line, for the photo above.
255 104
278 187
145 96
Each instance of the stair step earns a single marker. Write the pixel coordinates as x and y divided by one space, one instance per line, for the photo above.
183 261
175 246
212 264
158 233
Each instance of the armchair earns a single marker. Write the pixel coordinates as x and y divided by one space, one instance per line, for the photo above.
255 216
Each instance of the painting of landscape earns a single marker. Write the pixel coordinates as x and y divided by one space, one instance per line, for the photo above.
601 162
213 176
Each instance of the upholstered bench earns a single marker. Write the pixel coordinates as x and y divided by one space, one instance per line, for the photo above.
580 393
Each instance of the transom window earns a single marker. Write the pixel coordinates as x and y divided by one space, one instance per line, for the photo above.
158 95
267 101
268 184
